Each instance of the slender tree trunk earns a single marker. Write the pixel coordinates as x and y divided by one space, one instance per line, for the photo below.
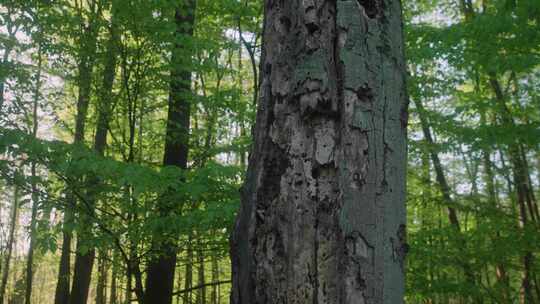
84 261
129 285
446 193
201 293
11 239
189 272
3 64
160 270
101 297
322 218
251 49
62 287
500 269
114 274
215 277
520 179
138 281
33 217
178 287
520 171
87 51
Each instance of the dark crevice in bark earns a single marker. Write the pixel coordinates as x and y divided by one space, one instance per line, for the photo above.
371 7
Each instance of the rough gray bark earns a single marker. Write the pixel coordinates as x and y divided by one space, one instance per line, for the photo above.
323 208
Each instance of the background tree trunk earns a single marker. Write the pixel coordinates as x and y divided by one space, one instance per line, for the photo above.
11 240
323 208
34 194
84 261
101 294
87 44
160 270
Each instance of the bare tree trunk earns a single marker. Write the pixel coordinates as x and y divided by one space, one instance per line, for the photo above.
3 64
160 270
322 218
84 261
520 179
446 193
33 217
215 277
114 273
189 273
101 296
62 287
201 293
129 285
87 45
10 242
178 286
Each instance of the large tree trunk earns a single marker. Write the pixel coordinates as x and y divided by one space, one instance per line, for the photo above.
160 270
323 208
11 240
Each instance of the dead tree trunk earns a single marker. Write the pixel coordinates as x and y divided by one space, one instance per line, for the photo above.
323 208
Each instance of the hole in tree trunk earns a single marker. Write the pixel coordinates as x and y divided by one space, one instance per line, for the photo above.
371 7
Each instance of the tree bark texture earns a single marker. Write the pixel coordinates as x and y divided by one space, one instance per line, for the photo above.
322 218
